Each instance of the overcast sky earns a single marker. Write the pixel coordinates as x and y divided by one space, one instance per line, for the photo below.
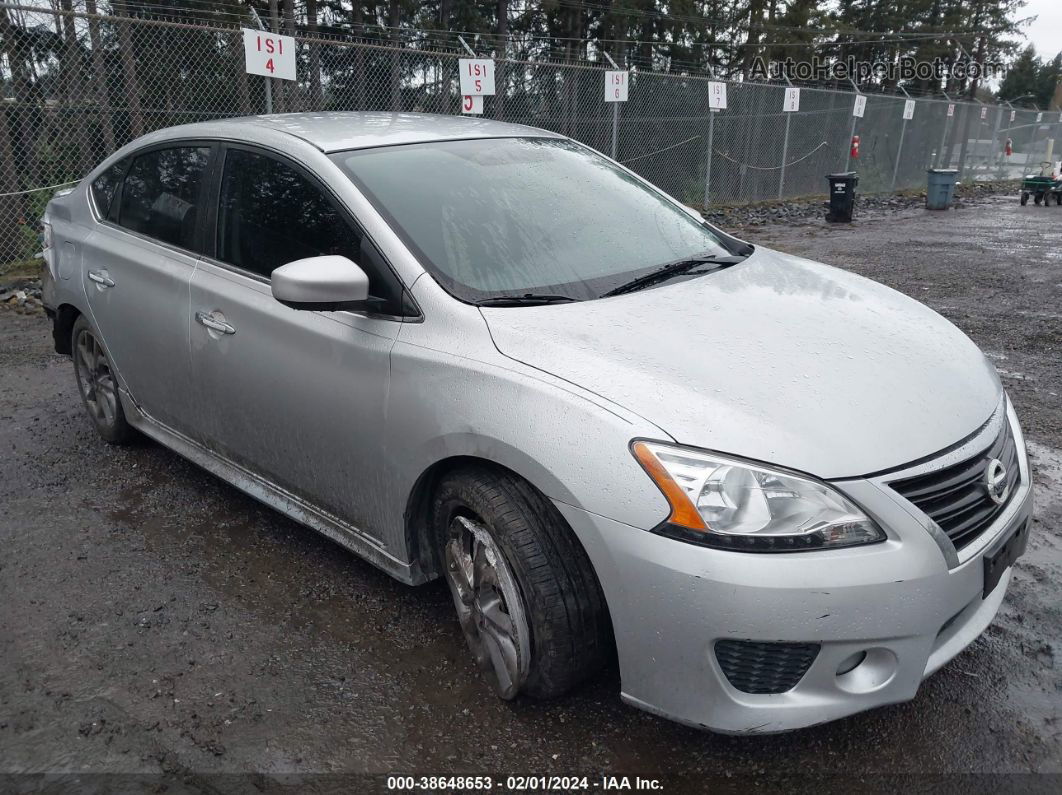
1046 32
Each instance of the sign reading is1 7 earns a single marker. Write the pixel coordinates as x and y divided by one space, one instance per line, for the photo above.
268 54
477 76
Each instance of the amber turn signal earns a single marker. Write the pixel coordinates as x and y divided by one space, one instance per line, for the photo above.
683 511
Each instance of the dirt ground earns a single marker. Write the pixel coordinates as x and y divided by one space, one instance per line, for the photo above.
156 622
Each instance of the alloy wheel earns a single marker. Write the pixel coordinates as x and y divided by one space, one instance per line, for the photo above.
489 605
95 379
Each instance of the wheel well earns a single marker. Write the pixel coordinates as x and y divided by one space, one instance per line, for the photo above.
65 317
418 529
419 540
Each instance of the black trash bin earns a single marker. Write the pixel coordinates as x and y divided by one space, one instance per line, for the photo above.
842 195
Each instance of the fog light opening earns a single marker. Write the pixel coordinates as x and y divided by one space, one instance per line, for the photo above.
850 662
867 671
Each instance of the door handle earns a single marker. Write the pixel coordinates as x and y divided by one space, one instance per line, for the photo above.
207 319
101 279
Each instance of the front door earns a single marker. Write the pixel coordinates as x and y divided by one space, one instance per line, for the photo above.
295 396
137 270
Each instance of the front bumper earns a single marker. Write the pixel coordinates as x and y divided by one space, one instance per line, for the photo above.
909 603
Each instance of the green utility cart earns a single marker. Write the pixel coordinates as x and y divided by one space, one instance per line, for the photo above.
1042 186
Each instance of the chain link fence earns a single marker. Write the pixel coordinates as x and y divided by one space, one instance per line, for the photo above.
77 84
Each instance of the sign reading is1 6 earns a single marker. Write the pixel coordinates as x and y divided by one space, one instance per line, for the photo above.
616 86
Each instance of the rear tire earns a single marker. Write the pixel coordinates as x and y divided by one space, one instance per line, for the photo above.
541 588
1024 199
97 383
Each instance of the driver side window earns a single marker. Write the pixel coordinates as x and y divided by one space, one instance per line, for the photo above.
270 214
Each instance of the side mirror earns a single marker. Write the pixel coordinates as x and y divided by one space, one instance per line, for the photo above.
327 283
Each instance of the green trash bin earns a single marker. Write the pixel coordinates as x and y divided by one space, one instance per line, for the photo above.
941 188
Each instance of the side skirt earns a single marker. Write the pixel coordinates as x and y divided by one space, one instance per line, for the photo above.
343 533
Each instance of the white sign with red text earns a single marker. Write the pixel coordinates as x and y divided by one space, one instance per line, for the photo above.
908 109
616 86
951 109
716 95
791 101
860 106
472 103
269 54
477 77
984 113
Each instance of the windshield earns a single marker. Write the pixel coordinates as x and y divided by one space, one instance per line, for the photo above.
520 216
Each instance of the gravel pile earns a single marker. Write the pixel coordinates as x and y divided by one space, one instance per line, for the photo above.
867 206
23 296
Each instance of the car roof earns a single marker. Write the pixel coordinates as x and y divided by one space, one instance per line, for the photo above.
335 131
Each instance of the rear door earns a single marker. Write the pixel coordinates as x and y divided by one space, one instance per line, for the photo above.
137 268
295 396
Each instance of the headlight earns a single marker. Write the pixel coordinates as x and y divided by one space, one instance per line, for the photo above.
723 502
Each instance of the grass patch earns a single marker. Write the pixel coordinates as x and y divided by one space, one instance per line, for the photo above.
21 269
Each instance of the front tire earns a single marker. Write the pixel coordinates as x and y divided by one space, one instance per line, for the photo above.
526 595
98 384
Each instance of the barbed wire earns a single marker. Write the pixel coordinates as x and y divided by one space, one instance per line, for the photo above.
38 190
771 168
438 40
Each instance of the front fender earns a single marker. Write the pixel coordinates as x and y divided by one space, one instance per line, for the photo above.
570 447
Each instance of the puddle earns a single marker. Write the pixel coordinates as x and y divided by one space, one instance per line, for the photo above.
1032 613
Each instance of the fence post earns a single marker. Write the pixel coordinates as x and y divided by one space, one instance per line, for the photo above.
943 141
615 128
268 80
274 22
995 138
899 152
615 111
964 143
851 136
785 154
708 168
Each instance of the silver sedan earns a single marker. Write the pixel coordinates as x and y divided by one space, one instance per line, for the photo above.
777 492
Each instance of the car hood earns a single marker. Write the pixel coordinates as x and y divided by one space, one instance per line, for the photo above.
778 358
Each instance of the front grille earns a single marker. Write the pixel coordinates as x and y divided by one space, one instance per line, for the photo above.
956 497
760 667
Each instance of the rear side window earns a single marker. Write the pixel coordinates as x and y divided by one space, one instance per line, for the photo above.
106 185
270 214
160 196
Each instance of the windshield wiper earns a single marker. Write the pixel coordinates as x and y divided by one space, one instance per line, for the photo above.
672 269
527 299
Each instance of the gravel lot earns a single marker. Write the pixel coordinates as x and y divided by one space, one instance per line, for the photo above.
155 621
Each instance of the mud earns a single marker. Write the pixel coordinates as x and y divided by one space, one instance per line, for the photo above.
154 621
